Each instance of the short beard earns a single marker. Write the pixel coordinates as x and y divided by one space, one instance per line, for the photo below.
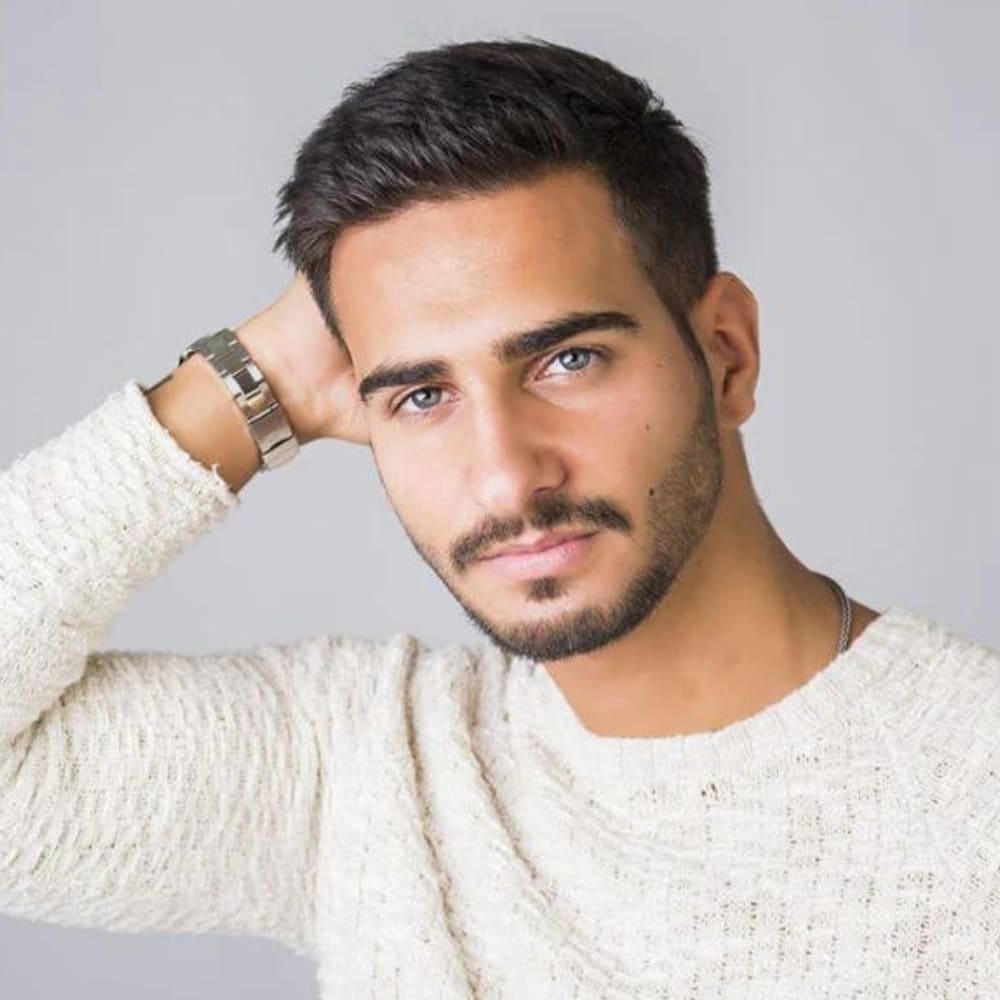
680 509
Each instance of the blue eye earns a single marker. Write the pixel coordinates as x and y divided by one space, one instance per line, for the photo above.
574 350
417 392
588 353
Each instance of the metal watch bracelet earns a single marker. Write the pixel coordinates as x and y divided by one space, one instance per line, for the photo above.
275 439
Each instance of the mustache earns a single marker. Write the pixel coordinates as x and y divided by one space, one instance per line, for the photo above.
549 512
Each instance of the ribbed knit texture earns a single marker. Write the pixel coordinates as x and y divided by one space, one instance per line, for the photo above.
436 822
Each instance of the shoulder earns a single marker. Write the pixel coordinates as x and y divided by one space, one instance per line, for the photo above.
403 668
953 681
945 735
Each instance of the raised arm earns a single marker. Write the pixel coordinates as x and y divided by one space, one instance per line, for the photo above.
146 790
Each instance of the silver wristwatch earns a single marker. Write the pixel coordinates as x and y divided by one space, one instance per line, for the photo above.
276 441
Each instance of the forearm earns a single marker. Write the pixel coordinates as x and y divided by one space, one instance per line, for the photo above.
88 517
195 406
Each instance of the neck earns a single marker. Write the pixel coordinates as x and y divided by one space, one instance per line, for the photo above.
743 624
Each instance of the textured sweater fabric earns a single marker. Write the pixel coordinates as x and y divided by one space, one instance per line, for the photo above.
436 822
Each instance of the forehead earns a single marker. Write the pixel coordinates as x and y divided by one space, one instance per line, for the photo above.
483 264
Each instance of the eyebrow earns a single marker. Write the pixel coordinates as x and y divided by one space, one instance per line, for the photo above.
512 347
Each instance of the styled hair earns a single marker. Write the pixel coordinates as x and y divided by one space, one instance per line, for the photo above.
474 117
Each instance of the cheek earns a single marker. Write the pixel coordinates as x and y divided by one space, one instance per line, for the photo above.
650 417
418 492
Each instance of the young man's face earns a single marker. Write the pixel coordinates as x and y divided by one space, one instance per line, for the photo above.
611 431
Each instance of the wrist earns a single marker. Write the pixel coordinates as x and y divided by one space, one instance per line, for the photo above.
248 386
195 406
266 341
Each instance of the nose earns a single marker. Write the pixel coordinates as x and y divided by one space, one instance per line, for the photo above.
511 456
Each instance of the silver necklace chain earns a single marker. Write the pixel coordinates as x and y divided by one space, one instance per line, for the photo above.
846 612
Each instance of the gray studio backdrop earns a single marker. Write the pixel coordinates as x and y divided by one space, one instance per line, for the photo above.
854 155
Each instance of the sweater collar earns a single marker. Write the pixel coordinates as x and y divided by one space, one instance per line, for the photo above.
827 704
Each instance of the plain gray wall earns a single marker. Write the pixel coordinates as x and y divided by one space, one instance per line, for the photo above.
853 150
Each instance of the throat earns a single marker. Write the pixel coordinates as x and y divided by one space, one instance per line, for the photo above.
664 703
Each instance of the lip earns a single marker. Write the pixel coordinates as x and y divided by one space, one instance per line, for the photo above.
540 544
562 554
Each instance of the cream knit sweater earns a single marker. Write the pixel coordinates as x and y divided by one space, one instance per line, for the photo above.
436 823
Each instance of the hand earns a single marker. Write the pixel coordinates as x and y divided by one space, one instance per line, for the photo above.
306 366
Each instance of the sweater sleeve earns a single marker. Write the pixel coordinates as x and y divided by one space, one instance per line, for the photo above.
140 790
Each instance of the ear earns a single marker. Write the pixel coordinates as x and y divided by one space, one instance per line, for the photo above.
725 321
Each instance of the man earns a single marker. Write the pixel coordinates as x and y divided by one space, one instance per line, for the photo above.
683 764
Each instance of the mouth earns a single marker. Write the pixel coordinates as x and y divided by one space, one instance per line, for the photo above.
561 555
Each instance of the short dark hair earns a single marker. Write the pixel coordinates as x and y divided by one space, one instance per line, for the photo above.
474 117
